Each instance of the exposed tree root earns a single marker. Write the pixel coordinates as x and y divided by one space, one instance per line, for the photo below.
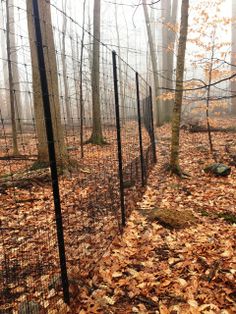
96 140
176 170
18 157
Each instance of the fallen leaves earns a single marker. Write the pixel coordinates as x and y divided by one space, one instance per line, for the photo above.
150 269
192 270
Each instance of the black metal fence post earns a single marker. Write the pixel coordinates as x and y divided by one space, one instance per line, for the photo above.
51 150
119 144
153 130
143 171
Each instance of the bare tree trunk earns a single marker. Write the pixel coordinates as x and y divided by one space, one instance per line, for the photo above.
233 57
209 94
90 53
15 72
64 67
51 69
169 16
127 58
81 97
122 100
6 114
96 137
174 158
159 118
11 83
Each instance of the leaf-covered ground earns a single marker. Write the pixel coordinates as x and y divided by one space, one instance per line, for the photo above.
90 202
155 269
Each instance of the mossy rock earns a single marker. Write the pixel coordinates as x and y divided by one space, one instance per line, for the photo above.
219 170
172 219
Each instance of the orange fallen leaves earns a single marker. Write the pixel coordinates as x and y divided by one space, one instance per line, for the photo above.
193 270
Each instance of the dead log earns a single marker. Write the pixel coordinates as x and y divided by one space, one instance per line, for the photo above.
25 180
203 129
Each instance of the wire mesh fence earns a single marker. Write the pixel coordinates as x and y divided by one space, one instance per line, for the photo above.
77 144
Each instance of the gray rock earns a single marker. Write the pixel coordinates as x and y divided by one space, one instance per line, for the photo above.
219 170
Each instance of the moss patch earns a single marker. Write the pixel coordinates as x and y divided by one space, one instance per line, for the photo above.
204 213
229 217
39 165
170 218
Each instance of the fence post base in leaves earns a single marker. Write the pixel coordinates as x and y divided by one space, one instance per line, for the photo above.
51 151
119 144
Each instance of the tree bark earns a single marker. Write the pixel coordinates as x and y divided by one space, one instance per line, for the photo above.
51 69
11 83
169 16
15 72
174 158
159 113
122 100
233 57
209 94
64 68
97 136
6 110
81 96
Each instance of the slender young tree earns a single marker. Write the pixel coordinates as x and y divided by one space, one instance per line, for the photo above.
51 69
233 56
121 81
11 83
64 67
97 136
169 16
15 71
174 157
159 117
7 112
210 73
81 95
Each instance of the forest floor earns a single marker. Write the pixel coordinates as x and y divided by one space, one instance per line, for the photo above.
90 204
153 268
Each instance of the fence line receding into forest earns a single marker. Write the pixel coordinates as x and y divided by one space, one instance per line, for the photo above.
64 197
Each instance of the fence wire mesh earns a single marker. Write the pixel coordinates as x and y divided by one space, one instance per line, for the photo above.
33 276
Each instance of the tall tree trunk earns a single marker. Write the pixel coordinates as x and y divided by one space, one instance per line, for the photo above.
90 52
174 158
209 94
51 69
233 57
11 83
76 56
169 16
127 58
159 117
122 100
81 96
6 114
15 72
64 67
96 137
